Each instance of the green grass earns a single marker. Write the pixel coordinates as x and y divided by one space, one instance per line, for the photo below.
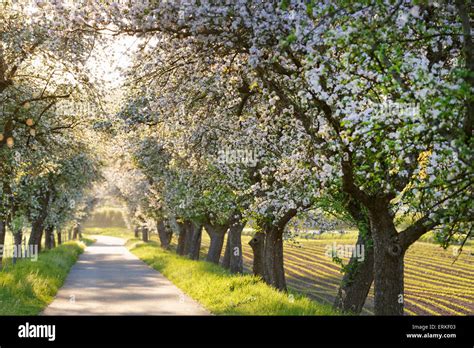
88 241
106 216
223 293
108 231
27 287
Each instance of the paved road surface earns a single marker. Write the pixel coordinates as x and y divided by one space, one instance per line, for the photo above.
109 280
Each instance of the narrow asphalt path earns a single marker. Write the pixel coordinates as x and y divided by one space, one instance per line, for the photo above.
109 280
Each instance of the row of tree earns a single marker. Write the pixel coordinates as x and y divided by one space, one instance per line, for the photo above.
47 165
263 110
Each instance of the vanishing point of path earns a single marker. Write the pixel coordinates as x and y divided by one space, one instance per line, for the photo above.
109 280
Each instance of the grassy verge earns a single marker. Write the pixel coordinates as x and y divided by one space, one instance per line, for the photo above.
27 287
221 292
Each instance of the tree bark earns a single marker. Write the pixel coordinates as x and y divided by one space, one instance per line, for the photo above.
388 264
37 229
53 240
226 259
37 226
195 241
189 226
18 248
79 231
136 231
75 232
274 272
357 280
3 230
273 262
17 238
180 250
48 243
234 242
359 274
258 244
144 234
59 237
164 233
216 234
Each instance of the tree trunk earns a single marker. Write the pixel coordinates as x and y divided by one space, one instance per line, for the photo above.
274 272
53 240
48 243
388 264
47 239
165 234
40 238
144 234
59 237
17 247
357 280
36 235
226 259
18 237
216 234
180 249
258 244
195 242
79 231
359 272
3 232
273 262
234 242
37 227
136 230
75 232
189 226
